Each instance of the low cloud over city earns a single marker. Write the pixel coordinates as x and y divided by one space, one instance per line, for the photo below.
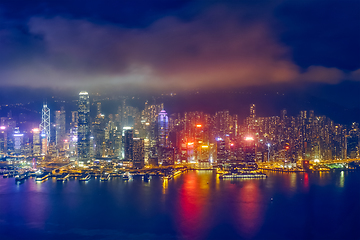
220 45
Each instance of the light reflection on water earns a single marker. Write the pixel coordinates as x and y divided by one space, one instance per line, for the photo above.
194 205
251 209
342 179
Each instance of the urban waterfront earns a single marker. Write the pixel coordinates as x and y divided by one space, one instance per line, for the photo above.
193 205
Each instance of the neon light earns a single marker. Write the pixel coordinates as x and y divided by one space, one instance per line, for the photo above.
2 127
35 130
199 125
249 139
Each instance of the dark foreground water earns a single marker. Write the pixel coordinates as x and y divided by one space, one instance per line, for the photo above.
195 205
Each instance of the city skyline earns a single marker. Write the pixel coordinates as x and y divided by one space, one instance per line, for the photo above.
139 136
179 119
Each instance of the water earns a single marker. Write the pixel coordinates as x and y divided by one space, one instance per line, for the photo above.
195 205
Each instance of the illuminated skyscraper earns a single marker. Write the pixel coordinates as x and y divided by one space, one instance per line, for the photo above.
138 152
18 141
3 140
83 128
98 109
249 149
74 119
36 142
60 127
163 129
221 151
252 111
73 133
45 122
129 145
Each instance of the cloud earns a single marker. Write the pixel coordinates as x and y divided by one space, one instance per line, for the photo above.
322 74
219 48
355 75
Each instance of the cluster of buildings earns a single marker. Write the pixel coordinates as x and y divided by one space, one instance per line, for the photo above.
150 137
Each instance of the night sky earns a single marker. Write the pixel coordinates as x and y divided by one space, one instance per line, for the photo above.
150 47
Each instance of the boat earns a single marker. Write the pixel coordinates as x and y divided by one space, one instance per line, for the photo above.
147 177
85 177
31 173
243 175
63 177
127 176
11 174
20 177
105 177
42 177
168 177
177 173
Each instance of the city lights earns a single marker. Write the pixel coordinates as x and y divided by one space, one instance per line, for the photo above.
212 120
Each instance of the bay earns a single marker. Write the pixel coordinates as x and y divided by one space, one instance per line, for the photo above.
194 205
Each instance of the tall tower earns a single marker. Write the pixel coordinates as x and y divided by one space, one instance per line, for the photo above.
98 109
45 122
60 127
252 111
129 145
163 129
83 128
138 152
36 142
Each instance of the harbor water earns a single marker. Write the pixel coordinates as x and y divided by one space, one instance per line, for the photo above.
193 205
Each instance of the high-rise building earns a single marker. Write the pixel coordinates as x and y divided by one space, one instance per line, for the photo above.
45 122
18 141
252 111
249 150
283 114
129 145
138 152
36 142
221 151
163 129
60 127
83 128
74 119
98 108
3 140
